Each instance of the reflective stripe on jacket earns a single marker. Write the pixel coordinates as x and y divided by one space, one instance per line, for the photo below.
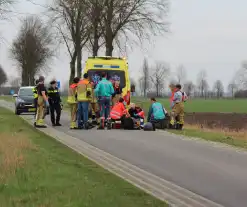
72 94
84 90
35 92
118 111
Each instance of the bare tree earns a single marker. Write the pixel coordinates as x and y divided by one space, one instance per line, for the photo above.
189 87
4 5
3 76
232 88
140 18
202 83
32 49
160 73
145 78
241 76
181 74
71 19
95 17
218 88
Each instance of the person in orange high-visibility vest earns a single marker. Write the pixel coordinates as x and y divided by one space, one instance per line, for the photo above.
72 102
118 111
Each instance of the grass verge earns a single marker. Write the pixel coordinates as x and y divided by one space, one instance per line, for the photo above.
237 139
7 98
36 170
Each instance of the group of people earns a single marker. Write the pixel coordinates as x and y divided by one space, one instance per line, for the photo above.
105 97
85 98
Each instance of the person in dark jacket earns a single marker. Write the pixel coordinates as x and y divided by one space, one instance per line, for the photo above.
117 92
55 103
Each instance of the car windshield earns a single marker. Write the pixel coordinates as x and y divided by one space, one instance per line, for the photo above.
26 92
112 75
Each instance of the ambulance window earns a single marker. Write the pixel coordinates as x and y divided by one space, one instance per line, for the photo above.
112 75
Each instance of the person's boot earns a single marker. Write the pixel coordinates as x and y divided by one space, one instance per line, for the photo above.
154 128
53 124
102 124
58 124
86 126
40 124
181 126
109 125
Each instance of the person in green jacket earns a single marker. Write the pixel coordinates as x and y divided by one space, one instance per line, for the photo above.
156 112
104 91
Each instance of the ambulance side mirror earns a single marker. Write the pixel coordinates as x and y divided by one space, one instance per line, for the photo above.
15 95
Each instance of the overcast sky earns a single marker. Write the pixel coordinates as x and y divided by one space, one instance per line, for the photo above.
205 34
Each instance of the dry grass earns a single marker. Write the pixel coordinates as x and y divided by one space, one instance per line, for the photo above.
12 147
240 135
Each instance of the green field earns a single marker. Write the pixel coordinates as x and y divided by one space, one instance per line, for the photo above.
193 105
202 105
36 170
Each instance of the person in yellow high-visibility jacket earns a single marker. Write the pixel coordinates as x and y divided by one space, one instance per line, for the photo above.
35 99
72 101
84 97
42 102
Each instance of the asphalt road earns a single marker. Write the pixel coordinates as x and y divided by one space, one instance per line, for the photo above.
214 171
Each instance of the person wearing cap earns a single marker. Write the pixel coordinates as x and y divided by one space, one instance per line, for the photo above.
41 103
55 103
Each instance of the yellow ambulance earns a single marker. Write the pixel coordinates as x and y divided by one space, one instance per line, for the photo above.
116 69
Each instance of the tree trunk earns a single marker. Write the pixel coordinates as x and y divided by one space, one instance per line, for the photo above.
95 44
24 77
79 58
96 21
109 33
72 67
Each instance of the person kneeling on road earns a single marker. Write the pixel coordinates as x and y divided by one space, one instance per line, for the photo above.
137 114
55 103
119 112
156 113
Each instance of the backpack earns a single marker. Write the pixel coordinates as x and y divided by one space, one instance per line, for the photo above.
148 127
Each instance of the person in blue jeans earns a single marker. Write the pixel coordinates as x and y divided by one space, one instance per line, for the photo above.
84 96
104 91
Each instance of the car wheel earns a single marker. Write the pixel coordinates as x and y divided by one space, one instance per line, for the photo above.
17 112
